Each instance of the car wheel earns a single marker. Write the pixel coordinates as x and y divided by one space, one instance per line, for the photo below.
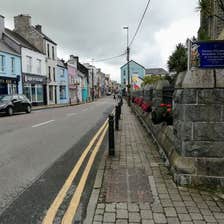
10 111
28 109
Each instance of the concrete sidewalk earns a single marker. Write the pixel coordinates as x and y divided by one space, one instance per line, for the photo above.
135 186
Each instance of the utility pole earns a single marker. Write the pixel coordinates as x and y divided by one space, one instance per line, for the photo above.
128 66
92 82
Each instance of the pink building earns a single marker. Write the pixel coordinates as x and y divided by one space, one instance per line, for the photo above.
73 84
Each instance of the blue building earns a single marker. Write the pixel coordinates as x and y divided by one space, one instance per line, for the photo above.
136 71
10 70
62 91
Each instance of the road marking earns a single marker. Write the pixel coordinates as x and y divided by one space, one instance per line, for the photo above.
41 124
85 109
74 203
51 213
71 114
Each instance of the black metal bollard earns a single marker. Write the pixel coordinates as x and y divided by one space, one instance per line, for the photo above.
111 135
119 111
117 118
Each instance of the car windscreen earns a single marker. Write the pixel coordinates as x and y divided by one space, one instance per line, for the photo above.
4 99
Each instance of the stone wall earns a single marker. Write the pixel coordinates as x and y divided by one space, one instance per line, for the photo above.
193 147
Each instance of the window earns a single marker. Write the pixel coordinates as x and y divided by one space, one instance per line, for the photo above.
40 93
124 73
38 66
12 89
29 64
51 93
49 72
13 65
2 63
124 81
27 91
54 74
61 72
53 52
48 51
62 92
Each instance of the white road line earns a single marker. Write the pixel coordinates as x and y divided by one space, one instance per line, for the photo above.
71 114
41 124
85 110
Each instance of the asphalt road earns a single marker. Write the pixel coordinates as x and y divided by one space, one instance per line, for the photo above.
38 151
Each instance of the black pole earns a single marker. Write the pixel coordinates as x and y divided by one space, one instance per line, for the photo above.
117 118
111 135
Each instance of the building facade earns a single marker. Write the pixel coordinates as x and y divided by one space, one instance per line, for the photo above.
136 71
10 71
33 66
35 36
62 83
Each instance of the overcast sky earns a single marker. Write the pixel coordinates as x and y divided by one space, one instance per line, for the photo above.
93 29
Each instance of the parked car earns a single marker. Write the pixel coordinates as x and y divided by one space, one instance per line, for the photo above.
11 104
109 93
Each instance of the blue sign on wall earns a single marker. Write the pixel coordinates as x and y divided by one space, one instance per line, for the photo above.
207 54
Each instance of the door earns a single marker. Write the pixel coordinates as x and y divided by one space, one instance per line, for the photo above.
3 89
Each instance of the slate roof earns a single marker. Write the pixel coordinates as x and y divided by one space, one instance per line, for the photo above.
45 36
21 41
156 71
5 48
134 62
61 63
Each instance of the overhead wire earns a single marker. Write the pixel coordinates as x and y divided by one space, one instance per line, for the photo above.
110 58
140 23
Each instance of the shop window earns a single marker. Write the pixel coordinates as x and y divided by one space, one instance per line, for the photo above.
13 65
12 89
33 90
27 91
39 93
62 92
2 63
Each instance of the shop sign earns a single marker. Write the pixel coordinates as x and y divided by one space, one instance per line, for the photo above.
34 79
6 80
207 54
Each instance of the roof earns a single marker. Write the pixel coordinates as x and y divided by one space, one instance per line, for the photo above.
5 48
83 69
156 71
61 63
45 36
21 41
134 62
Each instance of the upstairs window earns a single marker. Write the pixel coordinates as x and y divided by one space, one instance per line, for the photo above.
53 53
13 65
49 72
29 64
2 63
54 74
48 50
39 66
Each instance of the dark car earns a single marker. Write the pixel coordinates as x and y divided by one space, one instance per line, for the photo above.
10 104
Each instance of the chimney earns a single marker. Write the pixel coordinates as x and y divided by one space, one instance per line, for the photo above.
2 25
22 22
38 28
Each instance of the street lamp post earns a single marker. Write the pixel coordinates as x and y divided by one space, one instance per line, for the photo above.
128 60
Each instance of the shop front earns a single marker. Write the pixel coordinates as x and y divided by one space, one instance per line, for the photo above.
34 87
9 85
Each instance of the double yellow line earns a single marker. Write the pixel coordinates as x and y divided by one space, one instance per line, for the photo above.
74 203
